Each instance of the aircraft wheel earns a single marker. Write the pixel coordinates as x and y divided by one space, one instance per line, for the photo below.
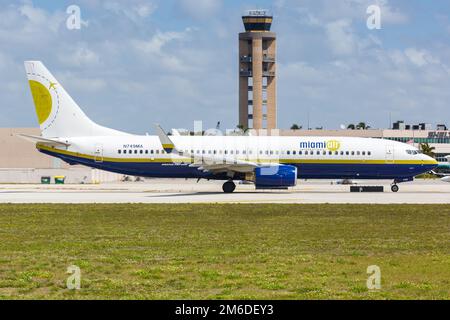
228 187
394 188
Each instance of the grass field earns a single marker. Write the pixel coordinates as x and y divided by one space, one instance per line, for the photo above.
224 251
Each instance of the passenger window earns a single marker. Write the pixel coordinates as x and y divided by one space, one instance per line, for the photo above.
369 153
135 151
342 153
120 151
306 153
347 153
146 151
294 152
330 153
318 153
324 153
300 153
363 153
237 152
288 153
358 153
353 153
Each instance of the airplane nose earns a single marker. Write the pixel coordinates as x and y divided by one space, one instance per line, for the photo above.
431 160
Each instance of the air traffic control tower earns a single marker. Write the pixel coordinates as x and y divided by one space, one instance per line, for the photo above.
257 72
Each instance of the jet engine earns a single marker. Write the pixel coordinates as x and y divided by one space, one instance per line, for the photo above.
274 177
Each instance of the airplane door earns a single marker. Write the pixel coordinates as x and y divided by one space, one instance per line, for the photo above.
98 154
390 154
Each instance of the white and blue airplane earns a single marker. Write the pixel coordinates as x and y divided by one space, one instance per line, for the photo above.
269 162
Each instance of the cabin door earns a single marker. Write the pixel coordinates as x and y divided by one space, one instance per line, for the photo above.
390 154
98 153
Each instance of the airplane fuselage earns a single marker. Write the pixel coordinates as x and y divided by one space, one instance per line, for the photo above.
314 157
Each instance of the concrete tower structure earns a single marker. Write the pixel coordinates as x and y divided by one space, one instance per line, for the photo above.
257 72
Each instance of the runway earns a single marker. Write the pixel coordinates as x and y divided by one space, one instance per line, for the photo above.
188 191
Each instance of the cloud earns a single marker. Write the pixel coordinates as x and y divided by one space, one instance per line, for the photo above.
159 40
391 15
133 10
78 55
341 37
200 9
140 61
420 57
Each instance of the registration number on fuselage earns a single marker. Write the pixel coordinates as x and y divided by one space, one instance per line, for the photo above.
131 146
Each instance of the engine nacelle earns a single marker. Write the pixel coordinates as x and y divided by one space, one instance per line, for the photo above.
275 177
446 179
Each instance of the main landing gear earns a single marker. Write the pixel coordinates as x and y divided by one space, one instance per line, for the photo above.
394 187
229 186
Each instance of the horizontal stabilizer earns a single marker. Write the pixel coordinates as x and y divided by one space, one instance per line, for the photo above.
46 141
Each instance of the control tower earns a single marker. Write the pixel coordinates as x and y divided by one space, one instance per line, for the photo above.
257 72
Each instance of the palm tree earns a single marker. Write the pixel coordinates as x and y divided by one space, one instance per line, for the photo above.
242 128
351 126
295 127
361 126
427 149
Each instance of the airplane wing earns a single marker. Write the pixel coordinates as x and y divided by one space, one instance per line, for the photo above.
208 163
46 141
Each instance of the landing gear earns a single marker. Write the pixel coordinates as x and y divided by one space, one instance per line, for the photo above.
394 188
229 187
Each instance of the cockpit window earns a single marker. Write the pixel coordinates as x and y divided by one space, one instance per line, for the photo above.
413 152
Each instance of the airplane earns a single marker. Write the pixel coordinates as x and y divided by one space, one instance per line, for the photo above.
270 162
443 165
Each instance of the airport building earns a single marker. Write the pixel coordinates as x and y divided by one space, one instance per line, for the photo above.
257 72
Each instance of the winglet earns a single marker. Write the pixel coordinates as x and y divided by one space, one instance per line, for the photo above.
166 143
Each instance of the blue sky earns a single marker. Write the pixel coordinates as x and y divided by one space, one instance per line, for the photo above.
175 61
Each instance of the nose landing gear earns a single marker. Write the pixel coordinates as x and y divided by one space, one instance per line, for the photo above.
229 187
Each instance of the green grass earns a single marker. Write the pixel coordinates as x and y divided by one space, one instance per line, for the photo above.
224 251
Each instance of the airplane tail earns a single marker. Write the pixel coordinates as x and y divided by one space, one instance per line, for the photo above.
57 113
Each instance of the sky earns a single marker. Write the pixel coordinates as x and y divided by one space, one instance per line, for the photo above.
135 63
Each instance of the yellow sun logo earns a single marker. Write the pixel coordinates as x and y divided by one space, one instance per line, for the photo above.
333 145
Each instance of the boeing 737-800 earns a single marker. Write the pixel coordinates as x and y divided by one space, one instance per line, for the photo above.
267 161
